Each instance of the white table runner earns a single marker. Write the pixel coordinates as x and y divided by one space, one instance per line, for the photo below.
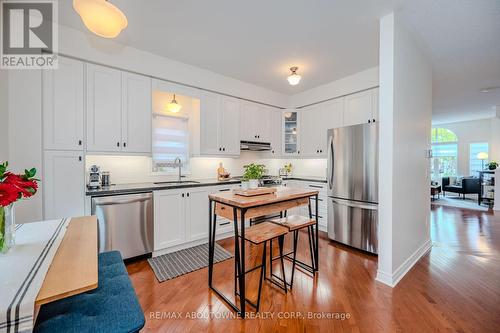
23 270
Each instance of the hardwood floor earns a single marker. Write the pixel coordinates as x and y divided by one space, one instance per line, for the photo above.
455 287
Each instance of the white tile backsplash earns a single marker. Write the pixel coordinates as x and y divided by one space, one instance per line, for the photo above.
137 169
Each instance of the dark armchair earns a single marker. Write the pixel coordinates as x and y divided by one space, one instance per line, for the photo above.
468 186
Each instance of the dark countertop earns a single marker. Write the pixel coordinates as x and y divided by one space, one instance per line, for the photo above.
148 187
306 179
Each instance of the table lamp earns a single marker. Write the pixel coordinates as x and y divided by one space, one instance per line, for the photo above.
482 156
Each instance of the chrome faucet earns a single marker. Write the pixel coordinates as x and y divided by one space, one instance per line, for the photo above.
178 164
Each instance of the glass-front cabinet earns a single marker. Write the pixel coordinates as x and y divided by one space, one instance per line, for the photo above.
291 133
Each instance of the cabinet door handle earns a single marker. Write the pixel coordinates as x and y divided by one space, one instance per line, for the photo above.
298 151
369 121
79 142
225 190
220 149
124 144
182 195
187 195
223 149
316 186
272 151
320 150
118 144
373 120
80 158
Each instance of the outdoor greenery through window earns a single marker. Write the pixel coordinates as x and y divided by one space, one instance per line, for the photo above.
170 140
475 164
444 153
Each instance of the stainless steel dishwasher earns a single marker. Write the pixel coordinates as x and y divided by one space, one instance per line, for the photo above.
125 223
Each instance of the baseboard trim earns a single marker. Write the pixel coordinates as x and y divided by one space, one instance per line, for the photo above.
393 279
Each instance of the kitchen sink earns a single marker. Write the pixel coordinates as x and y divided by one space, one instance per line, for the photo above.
178 182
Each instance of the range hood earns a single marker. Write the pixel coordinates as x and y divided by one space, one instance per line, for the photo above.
255 146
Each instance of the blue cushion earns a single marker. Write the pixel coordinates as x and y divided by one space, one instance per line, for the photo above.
111 307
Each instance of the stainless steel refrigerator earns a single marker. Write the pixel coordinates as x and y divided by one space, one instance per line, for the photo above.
353 186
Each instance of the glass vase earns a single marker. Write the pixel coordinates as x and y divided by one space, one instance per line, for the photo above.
7 228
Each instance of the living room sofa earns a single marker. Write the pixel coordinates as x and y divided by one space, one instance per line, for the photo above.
462 186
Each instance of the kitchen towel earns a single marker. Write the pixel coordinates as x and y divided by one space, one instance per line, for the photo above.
23 270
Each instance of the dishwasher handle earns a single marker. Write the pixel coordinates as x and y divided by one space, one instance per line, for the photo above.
114 200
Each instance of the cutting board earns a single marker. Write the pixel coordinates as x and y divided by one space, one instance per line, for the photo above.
255 191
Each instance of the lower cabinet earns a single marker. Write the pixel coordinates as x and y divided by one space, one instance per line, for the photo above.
180 217
322 201
63 184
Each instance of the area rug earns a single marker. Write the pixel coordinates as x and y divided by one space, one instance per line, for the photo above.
459 203
172 265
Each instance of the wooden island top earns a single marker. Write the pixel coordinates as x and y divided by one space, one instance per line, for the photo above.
282 194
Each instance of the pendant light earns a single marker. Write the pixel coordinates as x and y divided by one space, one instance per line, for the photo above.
294 78
101 17
173 106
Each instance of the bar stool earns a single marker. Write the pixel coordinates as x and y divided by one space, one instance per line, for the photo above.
258 234
294 224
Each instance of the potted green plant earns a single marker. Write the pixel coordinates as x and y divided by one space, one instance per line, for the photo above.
252 174
492 165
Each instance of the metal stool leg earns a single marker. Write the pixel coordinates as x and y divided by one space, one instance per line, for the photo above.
311 246
294 261
281 241
262 270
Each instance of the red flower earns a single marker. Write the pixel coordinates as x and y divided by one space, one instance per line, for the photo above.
8 194
25 187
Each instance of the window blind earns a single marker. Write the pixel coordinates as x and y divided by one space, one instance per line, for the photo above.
170 140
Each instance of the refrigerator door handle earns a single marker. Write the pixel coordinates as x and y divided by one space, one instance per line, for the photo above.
331 156
355 204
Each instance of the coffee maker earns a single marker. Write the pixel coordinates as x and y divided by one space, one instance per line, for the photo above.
94 177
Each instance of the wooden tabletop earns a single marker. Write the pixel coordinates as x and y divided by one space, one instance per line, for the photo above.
74 267
282 194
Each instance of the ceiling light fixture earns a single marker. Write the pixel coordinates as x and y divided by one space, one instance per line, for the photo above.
101 17
173 106
294 78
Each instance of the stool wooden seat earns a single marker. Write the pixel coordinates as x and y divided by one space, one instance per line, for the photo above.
294 222
264 231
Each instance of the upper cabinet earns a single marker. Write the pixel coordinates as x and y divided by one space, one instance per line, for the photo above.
255 122
63 102
136 113
290 131
361 108
276 128
219 128
118 110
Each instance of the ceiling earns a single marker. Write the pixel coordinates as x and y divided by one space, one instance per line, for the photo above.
257 41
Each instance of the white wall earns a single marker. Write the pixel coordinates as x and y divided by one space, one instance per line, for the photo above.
360 81
495 137
138 168
4 116
405 124
469 132
25 135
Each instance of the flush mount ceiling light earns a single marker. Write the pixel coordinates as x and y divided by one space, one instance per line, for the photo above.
101 17
173 106
294 78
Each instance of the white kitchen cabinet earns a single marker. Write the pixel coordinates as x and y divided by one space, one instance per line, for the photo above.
290 130
169 218
104 109
63 106
220 125
230 130
180 216
359 107
310 124
197 212
255 122
322 201
118 111
210 124
275 130
136 113
63 184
